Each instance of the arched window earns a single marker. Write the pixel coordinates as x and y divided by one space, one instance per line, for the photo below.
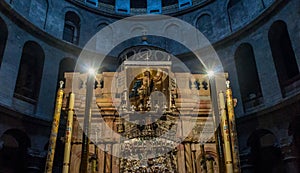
72 27
283 53
66 65
101 26
247 75
3 38
204 24
30 72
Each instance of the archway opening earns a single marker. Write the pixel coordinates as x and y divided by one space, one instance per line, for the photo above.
14 150
265 154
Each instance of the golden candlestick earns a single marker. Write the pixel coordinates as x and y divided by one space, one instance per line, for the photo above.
232 127
226 134
54 130
68 136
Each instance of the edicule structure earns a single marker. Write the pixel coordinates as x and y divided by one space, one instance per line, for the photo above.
145 113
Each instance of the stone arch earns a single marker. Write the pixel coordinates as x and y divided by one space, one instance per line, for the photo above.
283 54
30 72
213 157
20 136
14 150
204 25
247 75
3 38
74 10
102 25
71 32
65 65
138 29
129 52
264 145
172 30
210 155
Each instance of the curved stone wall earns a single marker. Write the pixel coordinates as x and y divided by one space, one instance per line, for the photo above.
233 29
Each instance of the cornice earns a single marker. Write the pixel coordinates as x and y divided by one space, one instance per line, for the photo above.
283 104
5 111
66 46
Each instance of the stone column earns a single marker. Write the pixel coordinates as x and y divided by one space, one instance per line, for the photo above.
75 158
193 149
198 153
180 159
188 158
290 158
108 165
115 160
101 158
210 165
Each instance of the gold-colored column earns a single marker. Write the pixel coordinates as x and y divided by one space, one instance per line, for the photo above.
54 130
232 127
68 136
188 158
226 134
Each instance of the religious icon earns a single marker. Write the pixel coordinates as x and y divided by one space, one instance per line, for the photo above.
144 84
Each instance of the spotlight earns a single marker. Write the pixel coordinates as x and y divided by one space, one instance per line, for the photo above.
91 71
210 73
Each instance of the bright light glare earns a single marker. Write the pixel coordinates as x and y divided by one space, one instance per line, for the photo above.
210 73
91 71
